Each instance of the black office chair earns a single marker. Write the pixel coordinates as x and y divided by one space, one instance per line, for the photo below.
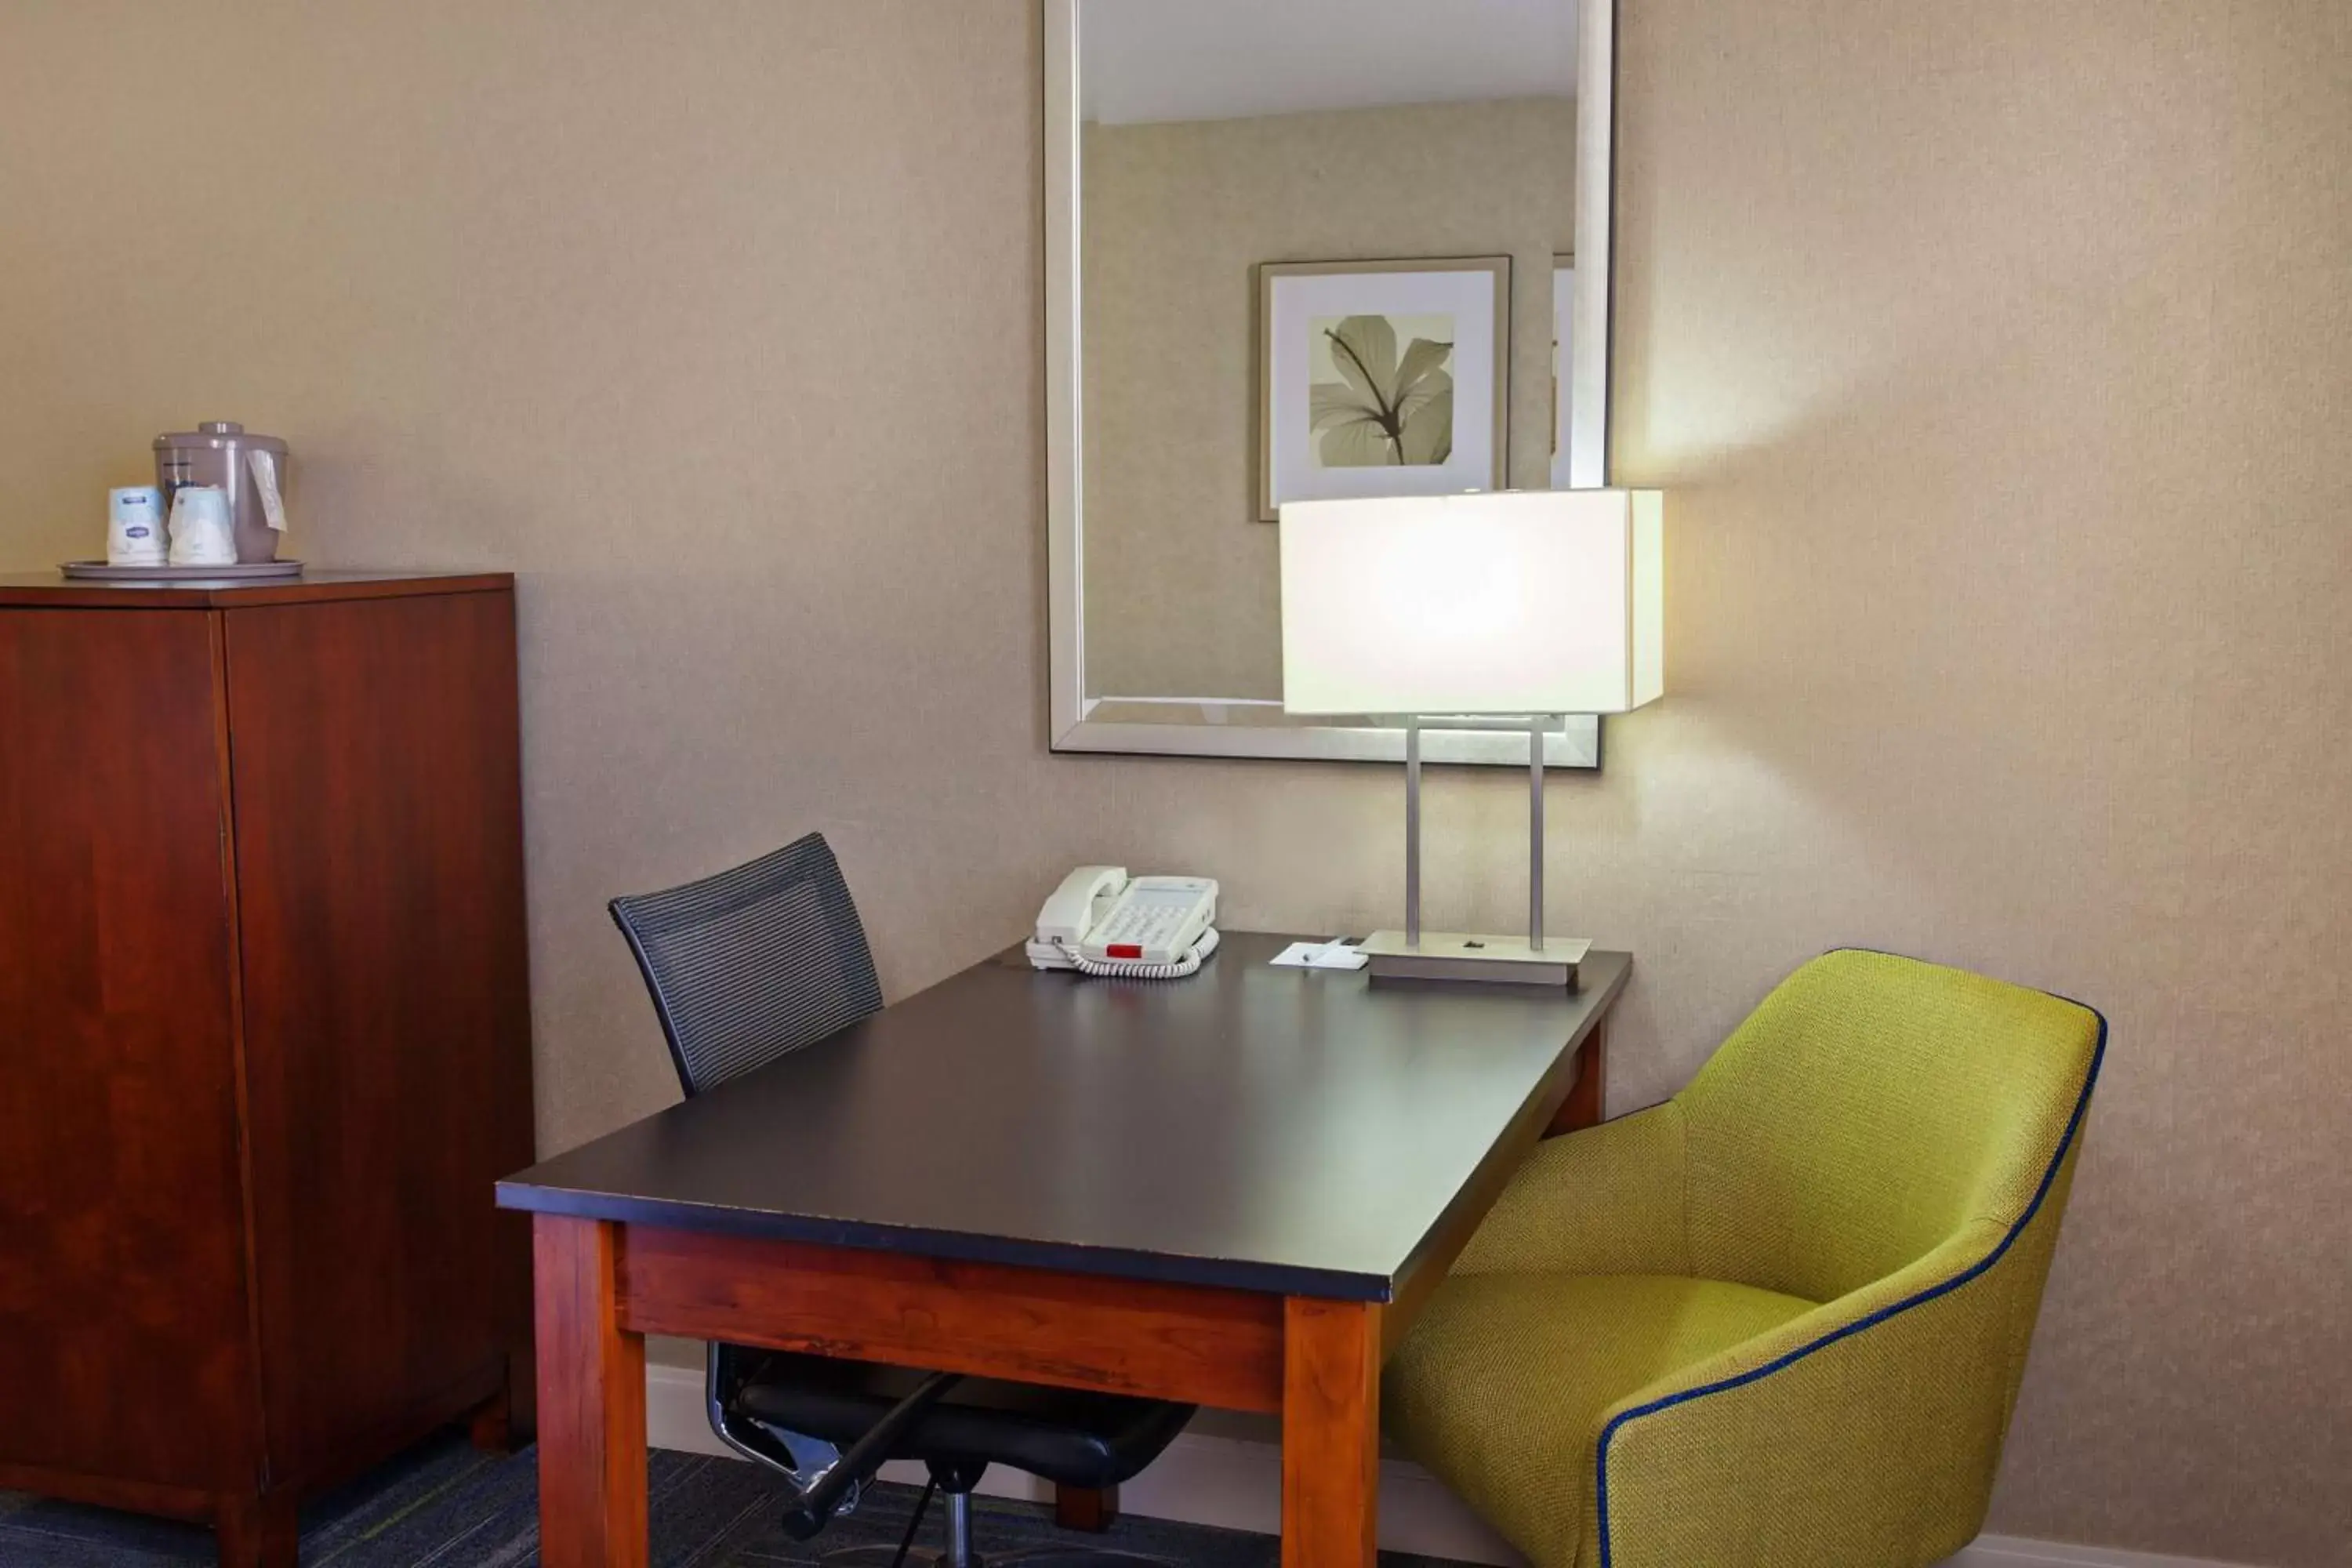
744 967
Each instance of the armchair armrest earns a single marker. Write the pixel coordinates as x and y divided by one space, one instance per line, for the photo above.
1607 1200
1866 1430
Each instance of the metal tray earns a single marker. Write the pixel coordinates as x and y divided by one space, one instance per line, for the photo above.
244 572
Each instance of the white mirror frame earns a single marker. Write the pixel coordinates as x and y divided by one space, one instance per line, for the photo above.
1225 728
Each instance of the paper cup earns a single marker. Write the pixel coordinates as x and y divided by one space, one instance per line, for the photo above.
134 527
200 529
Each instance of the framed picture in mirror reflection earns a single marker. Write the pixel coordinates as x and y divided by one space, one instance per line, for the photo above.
1382 378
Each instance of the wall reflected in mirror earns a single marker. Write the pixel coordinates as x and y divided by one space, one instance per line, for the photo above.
1322 250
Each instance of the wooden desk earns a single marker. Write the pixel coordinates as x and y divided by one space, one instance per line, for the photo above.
1235 1190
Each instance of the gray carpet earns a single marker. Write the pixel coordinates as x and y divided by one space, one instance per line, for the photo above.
445 1506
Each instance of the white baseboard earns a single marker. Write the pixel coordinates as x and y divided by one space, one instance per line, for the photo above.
1235 1482
2007 1552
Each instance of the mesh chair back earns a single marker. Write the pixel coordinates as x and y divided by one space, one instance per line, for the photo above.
753 963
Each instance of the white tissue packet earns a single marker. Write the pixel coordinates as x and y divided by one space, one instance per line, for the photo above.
265 479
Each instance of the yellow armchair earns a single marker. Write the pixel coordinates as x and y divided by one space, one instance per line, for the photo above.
1780 1318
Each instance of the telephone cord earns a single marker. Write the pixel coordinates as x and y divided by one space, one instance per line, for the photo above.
1188 965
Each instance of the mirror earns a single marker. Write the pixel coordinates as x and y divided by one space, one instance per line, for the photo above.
1299 248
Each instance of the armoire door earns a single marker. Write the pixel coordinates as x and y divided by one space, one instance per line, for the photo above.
125 1326
387 1010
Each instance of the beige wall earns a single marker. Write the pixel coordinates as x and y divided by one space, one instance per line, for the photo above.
1998 358
1184 596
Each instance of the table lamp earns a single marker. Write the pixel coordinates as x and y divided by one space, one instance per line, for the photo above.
1474 611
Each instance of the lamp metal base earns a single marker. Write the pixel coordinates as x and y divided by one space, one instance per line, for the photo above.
1487 960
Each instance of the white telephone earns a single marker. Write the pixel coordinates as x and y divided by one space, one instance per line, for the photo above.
1153 927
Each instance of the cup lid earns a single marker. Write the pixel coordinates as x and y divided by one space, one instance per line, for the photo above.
216 432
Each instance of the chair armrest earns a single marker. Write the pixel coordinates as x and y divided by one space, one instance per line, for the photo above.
1607 1200
1866 1430
848 1475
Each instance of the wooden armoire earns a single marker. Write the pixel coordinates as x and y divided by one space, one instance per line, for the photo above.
264 1038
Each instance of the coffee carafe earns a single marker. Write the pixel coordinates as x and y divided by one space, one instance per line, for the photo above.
249 470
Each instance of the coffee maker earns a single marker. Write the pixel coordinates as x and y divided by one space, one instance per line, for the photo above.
220 452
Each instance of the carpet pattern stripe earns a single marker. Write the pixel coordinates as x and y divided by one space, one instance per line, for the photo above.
444 1505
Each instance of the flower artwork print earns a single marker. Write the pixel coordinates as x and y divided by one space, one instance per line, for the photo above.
1381 378
1383 391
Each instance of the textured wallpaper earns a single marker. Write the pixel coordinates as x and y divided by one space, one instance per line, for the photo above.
1997 358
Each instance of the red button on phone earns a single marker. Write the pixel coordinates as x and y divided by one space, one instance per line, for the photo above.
1124 949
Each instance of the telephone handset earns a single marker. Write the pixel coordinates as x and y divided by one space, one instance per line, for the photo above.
1153 927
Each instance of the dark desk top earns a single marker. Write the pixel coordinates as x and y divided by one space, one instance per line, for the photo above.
1281 1130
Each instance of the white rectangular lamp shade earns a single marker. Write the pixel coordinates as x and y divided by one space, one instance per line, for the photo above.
1535 602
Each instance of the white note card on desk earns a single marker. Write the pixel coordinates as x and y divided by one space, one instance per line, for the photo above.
1332 954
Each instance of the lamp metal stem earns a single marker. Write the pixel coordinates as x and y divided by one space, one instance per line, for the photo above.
1536 727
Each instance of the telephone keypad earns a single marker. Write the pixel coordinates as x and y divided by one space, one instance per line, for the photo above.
1143 926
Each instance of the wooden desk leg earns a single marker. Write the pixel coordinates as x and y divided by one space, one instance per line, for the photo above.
1587 1103
592 1402
1330 1432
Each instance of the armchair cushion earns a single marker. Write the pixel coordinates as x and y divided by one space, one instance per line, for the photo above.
1503 1385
